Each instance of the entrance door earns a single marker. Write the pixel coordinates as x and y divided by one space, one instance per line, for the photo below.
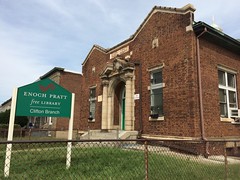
123 110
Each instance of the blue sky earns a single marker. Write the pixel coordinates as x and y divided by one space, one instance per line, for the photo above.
38 35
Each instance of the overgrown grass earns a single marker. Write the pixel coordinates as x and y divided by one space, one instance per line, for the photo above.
108 163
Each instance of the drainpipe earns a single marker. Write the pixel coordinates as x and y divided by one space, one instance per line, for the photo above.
200 95
140 94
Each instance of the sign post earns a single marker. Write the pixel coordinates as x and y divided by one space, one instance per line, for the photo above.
44 98
70 128
10 133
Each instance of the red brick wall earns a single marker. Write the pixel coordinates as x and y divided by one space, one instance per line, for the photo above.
212 56
176 51
72 82
97 59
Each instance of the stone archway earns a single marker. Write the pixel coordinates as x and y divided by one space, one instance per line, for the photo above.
116 77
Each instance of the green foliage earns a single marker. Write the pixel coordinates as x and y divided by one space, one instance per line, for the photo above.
4 117
5 126
21 120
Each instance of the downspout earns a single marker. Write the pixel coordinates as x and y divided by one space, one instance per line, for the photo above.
203 136
140 95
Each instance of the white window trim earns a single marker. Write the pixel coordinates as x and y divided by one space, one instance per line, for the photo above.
228 88
225 69
91 100
156 68
156 86
93 86
161 85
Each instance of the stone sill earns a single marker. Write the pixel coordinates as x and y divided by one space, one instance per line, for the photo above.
91 121
161 118
235 123
229 120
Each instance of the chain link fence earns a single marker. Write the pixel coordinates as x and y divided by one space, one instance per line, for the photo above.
117 159
37 134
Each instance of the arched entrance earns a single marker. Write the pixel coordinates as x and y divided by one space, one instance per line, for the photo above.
118 93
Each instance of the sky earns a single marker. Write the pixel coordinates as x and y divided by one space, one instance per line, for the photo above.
38 35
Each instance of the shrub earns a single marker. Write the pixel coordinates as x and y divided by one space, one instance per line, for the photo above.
5 126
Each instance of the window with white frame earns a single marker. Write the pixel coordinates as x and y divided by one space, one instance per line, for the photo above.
227 92
156 93
92 103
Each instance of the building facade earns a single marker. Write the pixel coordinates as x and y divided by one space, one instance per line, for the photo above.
166 79
173 78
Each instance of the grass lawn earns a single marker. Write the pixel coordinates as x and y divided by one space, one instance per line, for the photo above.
108 163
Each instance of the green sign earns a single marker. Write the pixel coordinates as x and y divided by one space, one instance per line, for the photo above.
43 98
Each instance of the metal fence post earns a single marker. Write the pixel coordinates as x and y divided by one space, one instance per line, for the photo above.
29 133
21 133
117 133
146 159
225 161
88 132
78 134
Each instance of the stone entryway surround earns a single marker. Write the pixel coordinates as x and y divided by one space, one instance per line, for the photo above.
120 71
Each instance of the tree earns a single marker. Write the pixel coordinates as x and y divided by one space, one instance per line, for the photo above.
21 120
4 117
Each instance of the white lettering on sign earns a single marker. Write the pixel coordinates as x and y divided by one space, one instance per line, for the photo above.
40 111
54 96
34 102
37 111
43 95
51 112
119 52
50 103
34 94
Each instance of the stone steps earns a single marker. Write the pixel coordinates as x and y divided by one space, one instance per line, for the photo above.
111 134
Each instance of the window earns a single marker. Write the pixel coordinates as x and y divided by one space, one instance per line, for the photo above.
227 92
156 94
92 103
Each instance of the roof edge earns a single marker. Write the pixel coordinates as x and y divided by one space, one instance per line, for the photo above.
5 102
95 46
185 9
199 27
55 69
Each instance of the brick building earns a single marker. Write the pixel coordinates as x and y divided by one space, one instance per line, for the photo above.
70 81
5 105
165 79
173 77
